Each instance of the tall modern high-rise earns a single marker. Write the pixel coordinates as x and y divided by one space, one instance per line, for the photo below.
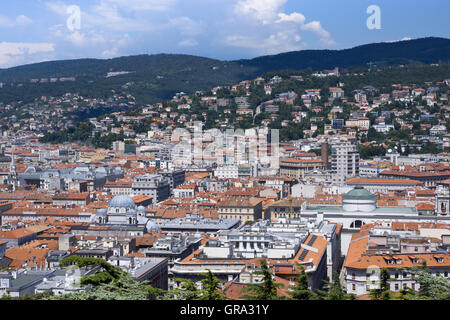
324 155
344 162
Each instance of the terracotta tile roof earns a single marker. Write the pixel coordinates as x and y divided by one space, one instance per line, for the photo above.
71 196
416 174
251 202
29 255
53 211
414 226
187 186
358 258
425 206
147 240
383 181
16 234
233 290
141 198
293 160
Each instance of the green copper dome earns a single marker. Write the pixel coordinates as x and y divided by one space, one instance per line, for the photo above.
359 193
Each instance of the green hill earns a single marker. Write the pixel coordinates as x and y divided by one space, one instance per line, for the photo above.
160 76
425 50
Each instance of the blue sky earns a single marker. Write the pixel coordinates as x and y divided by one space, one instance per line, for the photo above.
40 30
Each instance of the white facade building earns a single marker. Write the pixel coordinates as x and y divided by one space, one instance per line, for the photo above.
345 162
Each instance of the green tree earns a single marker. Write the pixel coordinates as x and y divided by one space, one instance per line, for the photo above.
266 290
210 286
382 293
431 287
112 283
301 289
336 291
188 289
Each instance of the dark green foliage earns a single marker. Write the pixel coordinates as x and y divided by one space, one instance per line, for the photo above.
370 151
188 290
425 50
37 296
335 291
81 133
210 287
110 284
266 290
301 289
110 272
383 292
431 287
156 77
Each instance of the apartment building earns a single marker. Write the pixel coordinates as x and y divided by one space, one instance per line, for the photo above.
152 185
344 162
241 209
396 246
297 168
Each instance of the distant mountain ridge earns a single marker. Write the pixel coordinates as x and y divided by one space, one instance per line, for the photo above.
424 50
162 75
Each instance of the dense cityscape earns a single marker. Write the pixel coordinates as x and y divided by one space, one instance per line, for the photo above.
323 184
224 158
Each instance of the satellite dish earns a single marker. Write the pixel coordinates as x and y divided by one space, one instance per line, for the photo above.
389 150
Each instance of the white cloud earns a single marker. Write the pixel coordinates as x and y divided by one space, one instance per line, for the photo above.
143 5
77 38
271 30
402 39
263 10
23 20
105 16
186 26
13 53
273 44
59 7
313 26
317 28
188 43
110 53
85 37
20 20
293 17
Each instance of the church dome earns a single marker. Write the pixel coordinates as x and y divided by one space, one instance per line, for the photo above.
131 212
122 201
101 212
151 226
359 199
359 193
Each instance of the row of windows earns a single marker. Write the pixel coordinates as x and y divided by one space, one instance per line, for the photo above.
235 210
404 275
396 286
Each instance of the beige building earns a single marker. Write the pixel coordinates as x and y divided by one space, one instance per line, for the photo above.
282 209
242 209
360 123
118 187
296 168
